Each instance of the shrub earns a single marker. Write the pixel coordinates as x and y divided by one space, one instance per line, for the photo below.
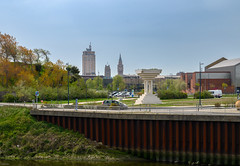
75 92
48 93
168 94
91 93
217 104
26 94
9 97
204 95
62 93
101 94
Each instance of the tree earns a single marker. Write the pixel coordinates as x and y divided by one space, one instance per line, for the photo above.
224 86
180 85
8 47
54 75
9 72
74 70
80 83
27 56
197 85
118 83
5 71
98 83
90 84
173 85
109 87
45 53
74 73
38 54
26 78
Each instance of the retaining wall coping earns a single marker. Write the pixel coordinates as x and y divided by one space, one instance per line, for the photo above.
137 115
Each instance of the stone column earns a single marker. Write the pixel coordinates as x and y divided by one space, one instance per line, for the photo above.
145 86
151 87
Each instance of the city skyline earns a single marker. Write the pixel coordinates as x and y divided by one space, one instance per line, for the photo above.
171 35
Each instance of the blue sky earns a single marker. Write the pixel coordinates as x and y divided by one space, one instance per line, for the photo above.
173 35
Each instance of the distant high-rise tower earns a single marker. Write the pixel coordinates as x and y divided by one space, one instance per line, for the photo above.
120 66
88 62
107 71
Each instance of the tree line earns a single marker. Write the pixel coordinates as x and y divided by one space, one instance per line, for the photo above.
24 71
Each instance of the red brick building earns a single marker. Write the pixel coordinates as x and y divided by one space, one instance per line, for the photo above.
209 81
215 74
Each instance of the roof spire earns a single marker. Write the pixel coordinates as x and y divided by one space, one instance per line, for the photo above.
120 59
120 65
90 46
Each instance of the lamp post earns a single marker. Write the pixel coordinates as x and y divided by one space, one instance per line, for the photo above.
200 69
68 69
86 92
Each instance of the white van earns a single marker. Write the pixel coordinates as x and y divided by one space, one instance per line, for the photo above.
216 93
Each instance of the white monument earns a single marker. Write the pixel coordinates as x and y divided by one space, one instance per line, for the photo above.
148 97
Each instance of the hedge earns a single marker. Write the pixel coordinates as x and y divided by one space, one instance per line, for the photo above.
167 94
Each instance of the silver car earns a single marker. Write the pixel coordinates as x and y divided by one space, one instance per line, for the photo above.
114 103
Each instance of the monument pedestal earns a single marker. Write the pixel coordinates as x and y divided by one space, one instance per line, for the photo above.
148 97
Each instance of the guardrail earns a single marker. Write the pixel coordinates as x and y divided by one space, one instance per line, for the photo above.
94 107
143 108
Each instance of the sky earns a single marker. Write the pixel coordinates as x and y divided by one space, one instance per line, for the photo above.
172 35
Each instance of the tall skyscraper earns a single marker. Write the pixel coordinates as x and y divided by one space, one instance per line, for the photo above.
88 62
107 72
120 66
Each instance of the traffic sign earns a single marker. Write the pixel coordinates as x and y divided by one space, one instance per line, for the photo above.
37 93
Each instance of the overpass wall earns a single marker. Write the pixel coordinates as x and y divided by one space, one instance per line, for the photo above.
181 138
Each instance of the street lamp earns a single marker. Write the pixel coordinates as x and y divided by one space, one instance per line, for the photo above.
68 69
200 69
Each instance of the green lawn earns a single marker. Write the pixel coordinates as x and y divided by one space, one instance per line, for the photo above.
224 101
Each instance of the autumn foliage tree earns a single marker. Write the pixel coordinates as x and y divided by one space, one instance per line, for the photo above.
54 74
8 47
18 63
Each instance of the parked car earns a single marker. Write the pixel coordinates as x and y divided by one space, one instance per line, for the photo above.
216 93
113 93
120 94
114 103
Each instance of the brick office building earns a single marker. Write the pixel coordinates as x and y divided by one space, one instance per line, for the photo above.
209 81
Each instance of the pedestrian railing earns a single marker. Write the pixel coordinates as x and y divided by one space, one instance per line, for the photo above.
192 110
